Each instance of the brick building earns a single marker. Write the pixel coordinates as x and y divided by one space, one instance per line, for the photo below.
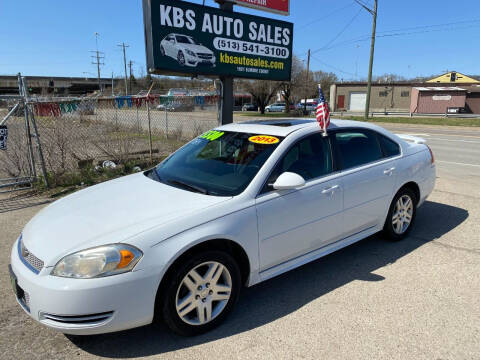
397 97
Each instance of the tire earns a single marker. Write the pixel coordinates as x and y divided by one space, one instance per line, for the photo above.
400 219
267 110
181 58
194 295
162 51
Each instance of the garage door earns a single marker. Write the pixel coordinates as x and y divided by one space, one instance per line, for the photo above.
357 101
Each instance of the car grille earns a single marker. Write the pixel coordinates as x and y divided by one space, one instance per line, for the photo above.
32 262
205 56
77 319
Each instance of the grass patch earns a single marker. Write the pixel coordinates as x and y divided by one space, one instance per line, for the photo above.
418 120
61 185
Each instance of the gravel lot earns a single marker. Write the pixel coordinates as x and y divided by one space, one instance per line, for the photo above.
419 298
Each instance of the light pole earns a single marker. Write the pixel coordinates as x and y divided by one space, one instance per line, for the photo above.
372 51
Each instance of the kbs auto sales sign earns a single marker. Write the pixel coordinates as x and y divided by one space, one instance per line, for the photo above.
188 39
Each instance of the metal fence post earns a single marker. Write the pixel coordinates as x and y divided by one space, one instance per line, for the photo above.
21 89
138 121
166 122
36 135
149 131
40 152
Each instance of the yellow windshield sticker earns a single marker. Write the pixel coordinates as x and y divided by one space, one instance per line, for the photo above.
263 139
212 135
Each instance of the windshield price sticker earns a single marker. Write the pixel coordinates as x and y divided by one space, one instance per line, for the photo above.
212 135
263 139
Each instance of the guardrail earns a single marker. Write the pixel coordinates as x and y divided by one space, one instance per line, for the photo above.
403 114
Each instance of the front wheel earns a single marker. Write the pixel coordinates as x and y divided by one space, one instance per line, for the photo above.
181 58
201 292
401 215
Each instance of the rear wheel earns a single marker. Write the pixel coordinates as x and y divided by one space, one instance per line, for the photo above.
401 215
201 292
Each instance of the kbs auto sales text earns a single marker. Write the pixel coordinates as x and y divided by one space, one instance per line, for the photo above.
223 25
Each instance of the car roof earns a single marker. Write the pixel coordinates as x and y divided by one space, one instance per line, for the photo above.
284 127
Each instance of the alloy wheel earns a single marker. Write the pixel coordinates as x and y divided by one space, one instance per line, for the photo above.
402 214
203 293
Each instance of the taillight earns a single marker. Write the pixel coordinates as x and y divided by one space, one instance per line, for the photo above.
431 155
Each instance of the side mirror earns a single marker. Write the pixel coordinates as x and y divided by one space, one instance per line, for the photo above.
288 181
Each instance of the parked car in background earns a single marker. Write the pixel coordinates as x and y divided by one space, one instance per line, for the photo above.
249 107
275 107
311 106
174 106
235 206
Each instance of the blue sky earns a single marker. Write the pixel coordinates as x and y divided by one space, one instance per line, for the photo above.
53 37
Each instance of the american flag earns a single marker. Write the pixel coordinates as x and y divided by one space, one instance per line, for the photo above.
322 112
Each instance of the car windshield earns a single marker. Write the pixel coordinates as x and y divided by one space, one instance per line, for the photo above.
220 163
181 39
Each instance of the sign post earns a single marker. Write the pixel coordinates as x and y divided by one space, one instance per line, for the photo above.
226 114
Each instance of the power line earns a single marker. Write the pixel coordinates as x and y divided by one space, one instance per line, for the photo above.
324 16
341 31
332 66
399 33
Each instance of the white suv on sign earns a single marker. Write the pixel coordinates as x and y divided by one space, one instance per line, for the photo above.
186 50
235 206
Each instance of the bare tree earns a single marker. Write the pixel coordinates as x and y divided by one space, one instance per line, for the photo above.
325 79
289 88
262 91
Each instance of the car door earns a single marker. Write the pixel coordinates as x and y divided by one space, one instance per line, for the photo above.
294 222
368 181
171 47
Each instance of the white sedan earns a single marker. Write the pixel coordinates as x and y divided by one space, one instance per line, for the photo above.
186 50
236 206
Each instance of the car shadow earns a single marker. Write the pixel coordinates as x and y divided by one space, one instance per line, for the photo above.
278 297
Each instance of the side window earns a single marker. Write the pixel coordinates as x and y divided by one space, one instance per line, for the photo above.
357 147
389 147
309 157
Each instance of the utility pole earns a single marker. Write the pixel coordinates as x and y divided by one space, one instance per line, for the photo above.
130 63
98 60
124 46
112 85
226 95
372 51
306 83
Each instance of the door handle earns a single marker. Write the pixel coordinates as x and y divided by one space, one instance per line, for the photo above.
389 171
330 190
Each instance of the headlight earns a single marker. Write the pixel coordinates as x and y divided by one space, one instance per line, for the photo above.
190 52
98 262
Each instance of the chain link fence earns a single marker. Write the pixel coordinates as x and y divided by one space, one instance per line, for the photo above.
83 133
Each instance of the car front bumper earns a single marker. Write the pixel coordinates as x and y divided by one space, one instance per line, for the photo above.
195 61
85 306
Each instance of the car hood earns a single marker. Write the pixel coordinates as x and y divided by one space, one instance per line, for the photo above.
197 48
107 213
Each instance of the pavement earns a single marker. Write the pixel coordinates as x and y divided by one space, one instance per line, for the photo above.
414 299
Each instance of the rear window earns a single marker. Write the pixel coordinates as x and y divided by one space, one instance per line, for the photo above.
389 147
357 147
